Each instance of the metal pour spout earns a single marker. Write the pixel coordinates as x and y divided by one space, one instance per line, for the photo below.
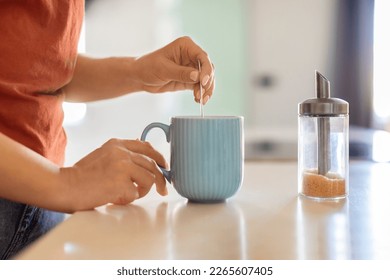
322 86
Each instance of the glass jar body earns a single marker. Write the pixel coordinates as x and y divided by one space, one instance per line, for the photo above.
316 151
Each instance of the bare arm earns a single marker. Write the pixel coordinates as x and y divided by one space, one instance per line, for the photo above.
101 78
28 177
118 172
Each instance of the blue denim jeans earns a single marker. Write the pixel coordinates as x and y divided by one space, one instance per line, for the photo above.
21 224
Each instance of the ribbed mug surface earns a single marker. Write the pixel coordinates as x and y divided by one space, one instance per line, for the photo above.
207 156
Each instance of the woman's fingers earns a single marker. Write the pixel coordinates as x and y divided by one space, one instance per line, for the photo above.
145 173
142 165
146 149
148 158
208 85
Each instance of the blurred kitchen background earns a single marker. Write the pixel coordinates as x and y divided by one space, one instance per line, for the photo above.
265 53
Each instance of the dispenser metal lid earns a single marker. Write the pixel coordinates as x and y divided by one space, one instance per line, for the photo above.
323 105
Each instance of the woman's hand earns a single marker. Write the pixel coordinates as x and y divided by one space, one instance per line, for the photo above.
118 172
175 67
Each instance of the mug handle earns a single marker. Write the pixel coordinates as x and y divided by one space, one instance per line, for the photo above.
167 173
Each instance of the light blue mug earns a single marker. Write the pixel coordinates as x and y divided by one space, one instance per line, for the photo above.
207 156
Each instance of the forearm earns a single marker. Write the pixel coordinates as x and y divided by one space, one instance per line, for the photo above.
29 178
102 78
118 172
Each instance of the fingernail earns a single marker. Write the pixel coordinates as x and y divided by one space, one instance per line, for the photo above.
206 99
194 76
205 80
136 195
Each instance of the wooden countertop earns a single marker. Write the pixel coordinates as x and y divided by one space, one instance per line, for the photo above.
266 219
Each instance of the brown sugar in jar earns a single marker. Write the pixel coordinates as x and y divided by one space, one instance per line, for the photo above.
319 186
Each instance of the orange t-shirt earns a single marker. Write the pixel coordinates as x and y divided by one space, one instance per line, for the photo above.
38 52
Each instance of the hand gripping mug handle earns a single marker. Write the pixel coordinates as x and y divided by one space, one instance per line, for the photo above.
167 173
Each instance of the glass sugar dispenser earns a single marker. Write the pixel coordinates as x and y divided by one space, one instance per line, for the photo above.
323 150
